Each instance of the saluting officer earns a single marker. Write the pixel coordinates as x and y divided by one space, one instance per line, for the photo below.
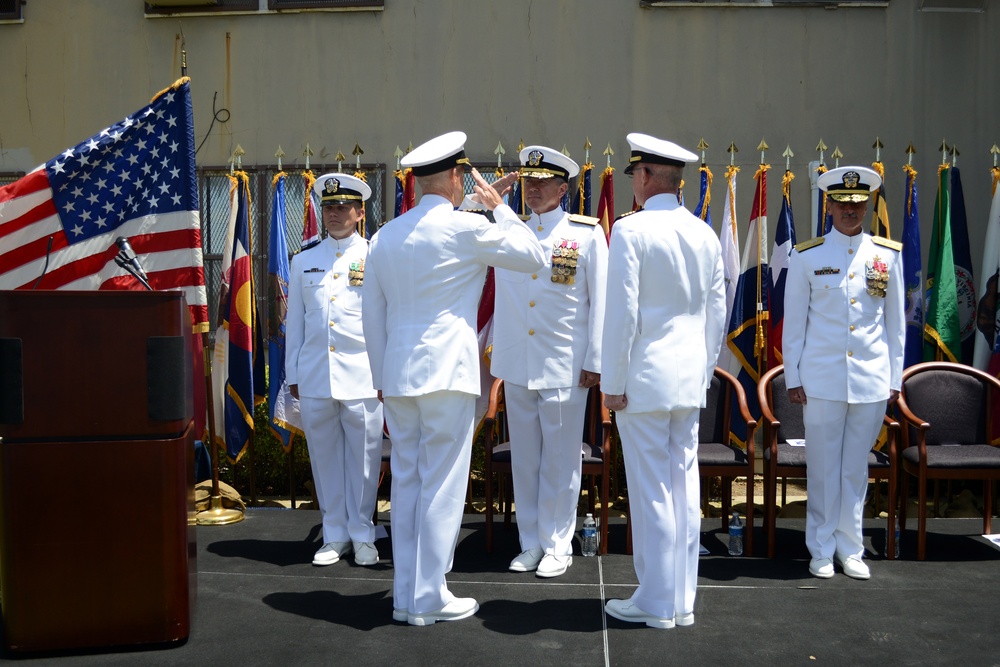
327 370
547 349
843 353
423 282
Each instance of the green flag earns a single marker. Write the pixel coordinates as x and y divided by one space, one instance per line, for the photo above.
942 332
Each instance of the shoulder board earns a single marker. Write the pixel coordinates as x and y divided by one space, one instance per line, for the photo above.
524 218
584 219
888 243
625 215
310 246
811 243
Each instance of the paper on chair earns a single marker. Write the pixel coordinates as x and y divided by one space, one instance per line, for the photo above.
796 442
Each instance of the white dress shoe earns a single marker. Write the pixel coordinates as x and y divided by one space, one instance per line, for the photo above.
455 610
399 615
821 568
684 620
331 552
526 561
552 565
365 553
854 567
624 610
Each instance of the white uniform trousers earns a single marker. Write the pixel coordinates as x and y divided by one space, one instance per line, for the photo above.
661 461
546 426
345 451
839 436
431 450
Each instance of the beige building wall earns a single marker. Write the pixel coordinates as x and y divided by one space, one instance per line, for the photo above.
547 71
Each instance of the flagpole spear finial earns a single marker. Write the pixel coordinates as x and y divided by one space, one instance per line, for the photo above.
232 163
788 155
995 151
279 154
586 150
878 146
308 154
609 151
184 53
762 147
357 153
238 156
732 150
409 147
954 155
398 154
499 152
910 150
821 147
520 146
340 157
944 152
702 147
565 151
836 155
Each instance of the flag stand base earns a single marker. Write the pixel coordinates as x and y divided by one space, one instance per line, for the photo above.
217 515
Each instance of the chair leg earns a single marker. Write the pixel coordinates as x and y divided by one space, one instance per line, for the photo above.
508 506
489 511
748 527
987 506
770 512
921 517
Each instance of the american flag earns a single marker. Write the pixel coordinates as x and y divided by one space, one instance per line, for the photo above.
135 178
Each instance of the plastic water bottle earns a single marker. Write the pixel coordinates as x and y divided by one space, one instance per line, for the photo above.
736 535
896 554
588 537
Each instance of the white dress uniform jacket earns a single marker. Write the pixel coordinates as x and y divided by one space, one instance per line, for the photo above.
841 343
546 332
325 346
423 282
664 324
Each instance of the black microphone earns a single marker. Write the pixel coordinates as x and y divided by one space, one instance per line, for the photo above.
127 260
48 251
129 256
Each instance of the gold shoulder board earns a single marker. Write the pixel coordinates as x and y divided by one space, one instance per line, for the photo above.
625 215
584 219
811 243
888 243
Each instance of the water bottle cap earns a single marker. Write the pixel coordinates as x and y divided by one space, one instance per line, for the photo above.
589 515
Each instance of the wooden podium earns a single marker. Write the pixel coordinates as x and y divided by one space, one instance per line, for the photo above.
97 542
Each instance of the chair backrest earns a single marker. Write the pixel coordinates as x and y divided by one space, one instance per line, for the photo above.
713 424
786 412
953 403
593 425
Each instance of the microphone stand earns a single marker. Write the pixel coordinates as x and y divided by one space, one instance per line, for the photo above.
123 262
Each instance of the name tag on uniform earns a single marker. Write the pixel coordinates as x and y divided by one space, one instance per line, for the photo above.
313 271
826 271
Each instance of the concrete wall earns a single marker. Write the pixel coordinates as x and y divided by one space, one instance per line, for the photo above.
545 71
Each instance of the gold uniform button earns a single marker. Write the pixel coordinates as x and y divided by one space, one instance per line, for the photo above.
850 251
340 254
850 275
850 354
853 300
540 228
534 276
531 332
331 324
852 327
336 275
531 304
333 349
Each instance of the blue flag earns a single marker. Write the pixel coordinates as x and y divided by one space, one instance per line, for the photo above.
912 274
784 241
397 208
283 408
964 281
516 199
704 208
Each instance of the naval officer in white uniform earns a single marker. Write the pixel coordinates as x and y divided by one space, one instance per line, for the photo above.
547 349
423 282
843 352
327 370
664 324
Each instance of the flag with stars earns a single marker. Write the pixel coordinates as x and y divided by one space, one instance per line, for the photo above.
136 179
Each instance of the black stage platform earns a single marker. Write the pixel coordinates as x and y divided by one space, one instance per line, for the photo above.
261 602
